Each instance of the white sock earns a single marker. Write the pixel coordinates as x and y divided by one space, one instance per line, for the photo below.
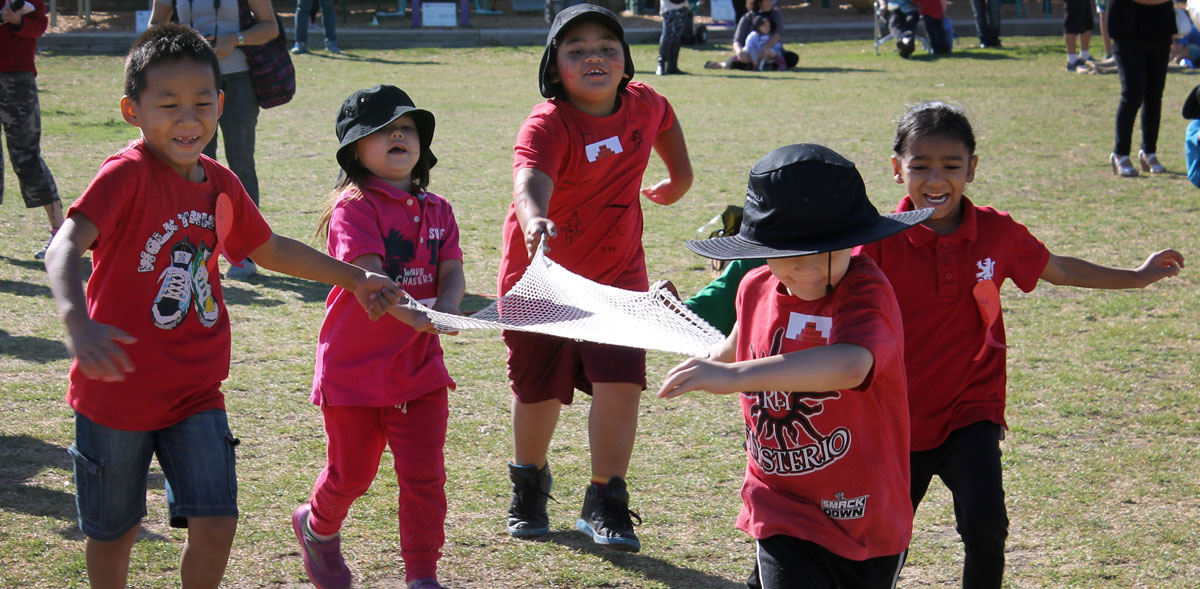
316 536
1085 55
1071 58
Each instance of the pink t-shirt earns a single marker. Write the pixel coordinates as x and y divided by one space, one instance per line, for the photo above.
596 164
829 467
378 363
150 279
934 277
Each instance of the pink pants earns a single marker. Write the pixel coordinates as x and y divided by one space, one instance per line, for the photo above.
416 433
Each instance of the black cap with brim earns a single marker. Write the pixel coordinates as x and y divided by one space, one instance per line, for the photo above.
573 15
801 200
1191 105
367 111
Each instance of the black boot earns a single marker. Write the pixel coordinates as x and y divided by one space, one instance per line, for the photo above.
606 516
527 516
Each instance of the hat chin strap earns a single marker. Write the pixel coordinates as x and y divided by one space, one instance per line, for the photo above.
829 275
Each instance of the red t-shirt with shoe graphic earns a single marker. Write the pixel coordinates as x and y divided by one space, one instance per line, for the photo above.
150 279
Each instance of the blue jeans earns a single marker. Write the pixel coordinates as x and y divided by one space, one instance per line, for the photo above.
987 20
111 468
328 17
238 122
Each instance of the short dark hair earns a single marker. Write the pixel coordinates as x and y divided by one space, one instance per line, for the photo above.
162 44
933 118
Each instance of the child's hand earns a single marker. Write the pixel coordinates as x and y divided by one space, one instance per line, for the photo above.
1160 265
537 229
95 347
663 193
698 374
377 293
667 284
413 318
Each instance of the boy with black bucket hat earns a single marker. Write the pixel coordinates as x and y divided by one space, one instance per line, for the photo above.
577 174
817 354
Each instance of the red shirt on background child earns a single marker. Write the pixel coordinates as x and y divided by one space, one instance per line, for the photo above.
840 435
933 276
154 224
596 164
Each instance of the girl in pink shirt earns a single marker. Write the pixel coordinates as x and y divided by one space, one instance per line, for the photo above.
384 383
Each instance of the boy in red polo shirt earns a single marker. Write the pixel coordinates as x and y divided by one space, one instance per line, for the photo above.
577 176
817 354
947 274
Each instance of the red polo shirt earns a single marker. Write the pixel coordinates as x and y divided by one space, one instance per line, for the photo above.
933 276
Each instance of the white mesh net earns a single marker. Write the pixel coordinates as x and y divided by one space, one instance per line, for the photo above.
552 300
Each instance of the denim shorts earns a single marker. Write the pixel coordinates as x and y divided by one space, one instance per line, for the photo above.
111 468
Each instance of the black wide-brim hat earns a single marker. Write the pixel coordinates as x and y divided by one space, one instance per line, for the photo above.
801 200
573 15
367 111
1191 104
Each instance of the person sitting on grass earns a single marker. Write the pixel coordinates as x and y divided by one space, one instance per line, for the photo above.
817 357
762 54
151 336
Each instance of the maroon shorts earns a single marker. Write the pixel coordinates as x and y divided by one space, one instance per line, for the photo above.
544 367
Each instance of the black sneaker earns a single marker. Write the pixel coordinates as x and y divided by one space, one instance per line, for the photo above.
527 516
606 516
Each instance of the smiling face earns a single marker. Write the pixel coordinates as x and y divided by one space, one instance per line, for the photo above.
177 113
392 152
590 64
935 169
807 276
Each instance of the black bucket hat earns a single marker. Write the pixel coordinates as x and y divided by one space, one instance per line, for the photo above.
367 111
573 15
1191 104
805 199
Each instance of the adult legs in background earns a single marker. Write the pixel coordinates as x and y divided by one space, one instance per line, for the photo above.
936 29
1156 79
669 42
1131 69
21 117
987 21
238 122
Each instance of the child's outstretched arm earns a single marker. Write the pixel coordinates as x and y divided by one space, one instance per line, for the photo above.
452 285
95 345
824 368
374 291
1068 271
532 189
672 148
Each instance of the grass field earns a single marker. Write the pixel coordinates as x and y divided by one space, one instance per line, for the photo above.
1101 460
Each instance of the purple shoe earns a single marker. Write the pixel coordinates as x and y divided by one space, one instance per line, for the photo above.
428 583
322 560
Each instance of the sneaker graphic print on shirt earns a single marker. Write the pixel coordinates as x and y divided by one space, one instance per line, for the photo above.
780 436
175 288
603 148
185 282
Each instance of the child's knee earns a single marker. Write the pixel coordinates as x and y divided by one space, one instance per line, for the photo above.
212 532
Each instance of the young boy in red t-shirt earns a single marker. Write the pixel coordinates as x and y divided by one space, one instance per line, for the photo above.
818 358
577 176
150 217
947 275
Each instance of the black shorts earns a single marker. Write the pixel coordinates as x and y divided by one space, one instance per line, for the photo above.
1078 17
784 562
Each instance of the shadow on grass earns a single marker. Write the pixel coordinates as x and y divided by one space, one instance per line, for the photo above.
348 56
308 290
658 569
24 458
990 56
24 289
39 266
473 303
32 349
